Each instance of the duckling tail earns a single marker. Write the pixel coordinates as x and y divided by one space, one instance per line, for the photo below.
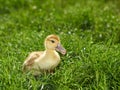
24 68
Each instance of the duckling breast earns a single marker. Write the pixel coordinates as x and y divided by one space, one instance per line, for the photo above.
49 62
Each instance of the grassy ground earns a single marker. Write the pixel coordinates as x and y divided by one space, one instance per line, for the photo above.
89 30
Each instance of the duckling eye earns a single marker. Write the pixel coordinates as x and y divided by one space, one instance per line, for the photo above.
52 41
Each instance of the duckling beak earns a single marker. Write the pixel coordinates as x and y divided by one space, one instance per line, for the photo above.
60 49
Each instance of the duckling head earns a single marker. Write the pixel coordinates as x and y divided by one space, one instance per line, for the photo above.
52 42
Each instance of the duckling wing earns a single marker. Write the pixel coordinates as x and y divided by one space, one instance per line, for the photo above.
30 59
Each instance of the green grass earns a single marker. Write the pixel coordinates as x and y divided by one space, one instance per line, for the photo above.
89 30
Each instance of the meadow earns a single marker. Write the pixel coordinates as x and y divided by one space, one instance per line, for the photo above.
89 30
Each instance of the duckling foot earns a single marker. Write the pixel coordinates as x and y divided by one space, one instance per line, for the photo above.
51 71
36 77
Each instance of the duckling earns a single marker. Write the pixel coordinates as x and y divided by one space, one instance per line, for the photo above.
40 61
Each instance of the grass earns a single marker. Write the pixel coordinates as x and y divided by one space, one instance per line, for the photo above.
89 30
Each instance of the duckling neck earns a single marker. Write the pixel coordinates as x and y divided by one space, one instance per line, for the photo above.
52 54
50 51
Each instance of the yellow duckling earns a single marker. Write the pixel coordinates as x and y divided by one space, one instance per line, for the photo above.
47 60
